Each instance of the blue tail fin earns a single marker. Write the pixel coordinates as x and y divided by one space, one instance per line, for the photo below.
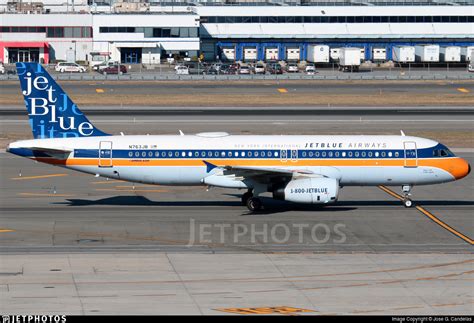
52 113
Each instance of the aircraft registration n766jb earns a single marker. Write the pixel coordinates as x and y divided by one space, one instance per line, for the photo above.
302 169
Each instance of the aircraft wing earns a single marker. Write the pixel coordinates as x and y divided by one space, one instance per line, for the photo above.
266 174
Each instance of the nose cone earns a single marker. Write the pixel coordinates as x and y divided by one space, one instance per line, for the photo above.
460 168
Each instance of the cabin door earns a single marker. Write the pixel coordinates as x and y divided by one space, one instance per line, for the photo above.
411 157
105 154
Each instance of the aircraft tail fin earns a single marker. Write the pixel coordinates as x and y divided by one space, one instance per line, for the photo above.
51 111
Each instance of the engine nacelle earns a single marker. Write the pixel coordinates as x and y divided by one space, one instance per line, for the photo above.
310 190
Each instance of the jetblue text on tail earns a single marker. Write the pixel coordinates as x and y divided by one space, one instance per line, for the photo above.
52 113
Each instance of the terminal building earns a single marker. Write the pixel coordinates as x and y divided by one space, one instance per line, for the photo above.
149 32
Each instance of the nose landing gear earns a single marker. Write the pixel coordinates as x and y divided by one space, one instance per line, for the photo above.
407 202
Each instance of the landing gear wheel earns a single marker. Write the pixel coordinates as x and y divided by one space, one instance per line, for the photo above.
246 196
407 203
254 204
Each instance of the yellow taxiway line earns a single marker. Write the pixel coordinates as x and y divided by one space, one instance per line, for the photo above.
21 178
431 216
45 195
463 90
281 90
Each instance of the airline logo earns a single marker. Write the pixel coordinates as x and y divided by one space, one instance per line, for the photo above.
52 113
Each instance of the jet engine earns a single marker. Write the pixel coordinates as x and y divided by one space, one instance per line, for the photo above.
317 190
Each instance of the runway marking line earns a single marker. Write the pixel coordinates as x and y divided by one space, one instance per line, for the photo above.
99 90
108 182
282 90
463 90
130 190
21 178
431 216
266 310
45 195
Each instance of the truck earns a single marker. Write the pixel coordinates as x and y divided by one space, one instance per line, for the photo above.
349 59
379 54
403 54
334 54
450 54
318 54
427 53
467 53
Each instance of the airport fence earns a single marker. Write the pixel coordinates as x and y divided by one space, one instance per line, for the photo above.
174 77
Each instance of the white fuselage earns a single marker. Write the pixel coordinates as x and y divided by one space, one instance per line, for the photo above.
181 160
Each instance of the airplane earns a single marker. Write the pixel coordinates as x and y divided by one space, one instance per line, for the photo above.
301 169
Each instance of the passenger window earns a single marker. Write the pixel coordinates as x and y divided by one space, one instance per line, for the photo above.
311 154
343 154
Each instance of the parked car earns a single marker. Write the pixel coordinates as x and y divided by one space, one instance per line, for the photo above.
2 68
244 70
228 69
292 68
470 67
114 70
259 69
69 67
101 66
211 70
274 68
182 70
310 69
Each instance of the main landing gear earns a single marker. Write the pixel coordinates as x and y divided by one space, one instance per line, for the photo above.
407 202
253 203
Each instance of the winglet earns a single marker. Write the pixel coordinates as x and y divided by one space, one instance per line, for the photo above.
209 166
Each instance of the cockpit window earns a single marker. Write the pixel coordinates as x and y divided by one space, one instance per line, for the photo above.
442 153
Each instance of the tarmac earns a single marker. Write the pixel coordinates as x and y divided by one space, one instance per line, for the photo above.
72 243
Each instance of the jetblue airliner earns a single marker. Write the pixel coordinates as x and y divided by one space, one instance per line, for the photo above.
302 169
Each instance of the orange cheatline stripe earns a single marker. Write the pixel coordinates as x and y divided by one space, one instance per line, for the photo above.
431 217
37 177
444 163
